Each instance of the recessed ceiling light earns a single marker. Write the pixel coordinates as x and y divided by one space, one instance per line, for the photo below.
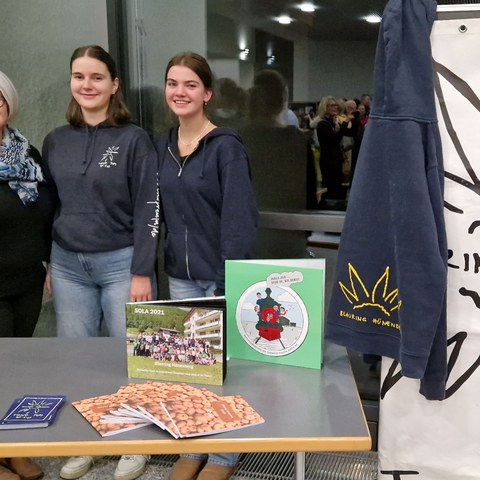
284 20
373 18
307 7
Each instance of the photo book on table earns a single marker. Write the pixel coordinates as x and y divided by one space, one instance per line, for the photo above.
276 310
179 408
177 340
32 411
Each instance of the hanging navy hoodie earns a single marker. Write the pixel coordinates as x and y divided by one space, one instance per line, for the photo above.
389 295
106 181
208 204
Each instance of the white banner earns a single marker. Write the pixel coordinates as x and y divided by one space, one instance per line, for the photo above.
432 440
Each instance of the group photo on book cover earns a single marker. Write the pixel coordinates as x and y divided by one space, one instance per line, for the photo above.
177 341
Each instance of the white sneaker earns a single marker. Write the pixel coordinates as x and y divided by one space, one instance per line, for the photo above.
76 467
130 467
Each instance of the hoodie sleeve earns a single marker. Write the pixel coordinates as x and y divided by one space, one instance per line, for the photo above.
146 205
389 297
239 214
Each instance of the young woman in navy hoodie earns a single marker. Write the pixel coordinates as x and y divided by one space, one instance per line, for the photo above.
209 209
105 230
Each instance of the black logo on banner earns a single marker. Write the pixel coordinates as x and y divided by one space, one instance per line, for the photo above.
398 474
457 340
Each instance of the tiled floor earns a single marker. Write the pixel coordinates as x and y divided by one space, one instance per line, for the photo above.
259 466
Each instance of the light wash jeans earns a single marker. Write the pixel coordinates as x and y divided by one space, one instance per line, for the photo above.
89 287
179 290
223 459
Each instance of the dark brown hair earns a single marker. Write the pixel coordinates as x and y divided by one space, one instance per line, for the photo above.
117 112
268 95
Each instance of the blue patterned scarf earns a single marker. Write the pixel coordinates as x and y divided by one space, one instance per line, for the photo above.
17 167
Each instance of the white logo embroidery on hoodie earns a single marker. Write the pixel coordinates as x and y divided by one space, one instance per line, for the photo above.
107 158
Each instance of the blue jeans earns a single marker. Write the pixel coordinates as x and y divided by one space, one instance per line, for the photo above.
89 287
181 289
223 459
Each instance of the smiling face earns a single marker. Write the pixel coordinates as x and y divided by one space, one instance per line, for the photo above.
92 86
185 92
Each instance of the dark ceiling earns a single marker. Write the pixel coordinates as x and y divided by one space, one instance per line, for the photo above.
332 20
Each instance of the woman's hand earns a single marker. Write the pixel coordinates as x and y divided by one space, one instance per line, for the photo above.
48 280
140 289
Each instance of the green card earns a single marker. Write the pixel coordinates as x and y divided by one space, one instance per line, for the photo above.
275 311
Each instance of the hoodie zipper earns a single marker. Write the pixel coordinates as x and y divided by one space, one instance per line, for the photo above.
180 166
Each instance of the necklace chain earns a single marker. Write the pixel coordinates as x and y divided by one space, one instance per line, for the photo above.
186 144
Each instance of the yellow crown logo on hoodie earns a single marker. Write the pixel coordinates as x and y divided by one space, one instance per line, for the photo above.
359 296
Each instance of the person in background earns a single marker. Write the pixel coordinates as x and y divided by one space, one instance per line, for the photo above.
292 119
26 209
230 104
366 101
281 162
330 133
363 117
350 140
105 231
209 210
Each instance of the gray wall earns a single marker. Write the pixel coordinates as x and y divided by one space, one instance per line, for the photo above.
37 39
341 69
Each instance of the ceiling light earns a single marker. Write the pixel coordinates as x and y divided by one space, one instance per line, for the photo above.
244 53
307 7
373 18
284 20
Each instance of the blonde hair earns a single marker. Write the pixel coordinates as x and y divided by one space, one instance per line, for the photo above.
10 94
322 106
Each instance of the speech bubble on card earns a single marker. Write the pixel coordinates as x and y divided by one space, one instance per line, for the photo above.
284 279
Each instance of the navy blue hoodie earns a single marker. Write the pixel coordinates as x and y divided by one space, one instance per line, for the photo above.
389 296
209 207
106 180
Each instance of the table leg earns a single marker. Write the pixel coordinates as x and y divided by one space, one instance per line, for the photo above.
299 465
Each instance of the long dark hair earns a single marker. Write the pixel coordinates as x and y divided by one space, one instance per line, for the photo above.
117 112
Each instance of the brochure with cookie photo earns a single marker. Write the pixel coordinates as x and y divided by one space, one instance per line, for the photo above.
276 310
179 408
182 341
98 411
204 413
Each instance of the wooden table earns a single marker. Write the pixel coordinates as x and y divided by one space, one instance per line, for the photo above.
304 409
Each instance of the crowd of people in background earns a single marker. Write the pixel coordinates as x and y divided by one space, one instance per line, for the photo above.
333 129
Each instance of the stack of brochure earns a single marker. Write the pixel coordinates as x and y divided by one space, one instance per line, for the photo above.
179 408
32 411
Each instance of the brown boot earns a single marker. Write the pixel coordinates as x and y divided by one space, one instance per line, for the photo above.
212 471
6 474
26 468
186 469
